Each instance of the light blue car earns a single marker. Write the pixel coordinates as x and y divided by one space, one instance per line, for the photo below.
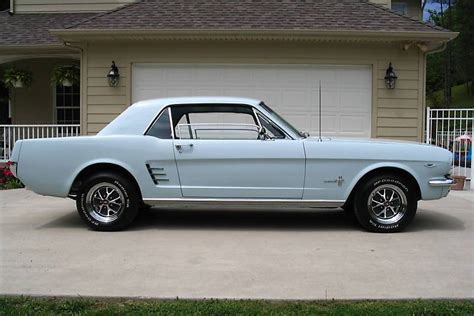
229 152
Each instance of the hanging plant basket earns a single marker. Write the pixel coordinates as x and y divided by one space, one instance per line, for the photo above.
66 76
17 78
66 83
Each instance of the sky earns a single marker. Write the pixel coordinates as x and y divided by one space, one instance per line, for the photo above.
430 6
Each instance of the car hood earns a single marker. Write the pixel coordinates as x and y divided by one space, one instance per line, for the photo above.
376 149
364 140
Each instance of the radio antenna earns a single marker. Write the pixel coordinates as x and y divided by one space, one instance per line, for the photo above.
320 118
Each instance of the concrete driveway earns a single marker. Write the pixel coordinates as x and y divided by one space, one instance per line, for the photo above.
46 250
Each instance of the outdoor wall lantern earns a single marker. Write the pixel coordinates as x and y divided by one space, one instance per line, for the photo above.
390 77
113 76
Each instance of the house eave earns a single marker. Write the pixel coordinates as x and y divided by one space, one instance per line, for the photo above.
35 49
242 34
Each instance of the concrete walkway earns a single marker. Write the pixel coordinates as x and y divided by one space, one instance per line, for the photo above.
46 250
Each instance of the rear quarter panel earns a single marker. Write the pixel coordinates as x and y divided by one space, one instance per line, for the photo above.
49 166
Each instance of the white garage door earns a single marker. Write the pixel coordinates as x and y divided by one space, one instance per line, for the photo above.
291 90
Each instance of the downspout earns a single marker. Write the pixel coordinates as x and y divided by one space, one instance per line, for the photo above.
437 49
12 7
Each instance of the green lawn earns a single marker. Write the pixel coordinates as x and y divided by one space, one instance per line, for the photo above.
78 306
460 98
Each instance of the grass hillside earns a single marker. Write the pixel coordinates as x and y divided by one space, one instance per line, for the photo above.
460 98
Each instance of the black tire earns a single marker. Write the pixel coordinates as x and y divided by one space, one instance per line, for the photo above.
348 208
385 203
97 209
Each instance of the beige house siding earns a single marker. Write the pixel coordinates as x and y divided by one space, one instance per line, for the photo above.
35 104
396 113
31 6
413 6
414 9
382 2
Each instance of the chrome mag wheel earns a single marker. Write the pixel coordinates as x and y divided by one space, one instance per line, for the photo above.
387 204
105 202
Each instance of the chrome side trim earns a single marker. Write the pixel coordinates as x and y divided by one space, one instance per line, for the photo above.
223 202
173 136
442 182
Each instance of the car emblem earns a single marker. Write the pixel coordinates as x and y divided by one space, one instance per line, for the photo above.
339 180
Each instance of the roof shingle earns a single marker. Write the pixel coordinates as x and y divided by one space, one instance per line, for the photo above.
32 29
337 15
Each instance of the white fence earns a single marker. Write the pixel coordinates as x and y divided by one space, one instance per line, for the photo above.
453 129
9 134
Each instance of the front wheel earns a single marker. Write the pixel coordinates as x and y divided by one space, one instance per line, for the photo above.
107 202
385 203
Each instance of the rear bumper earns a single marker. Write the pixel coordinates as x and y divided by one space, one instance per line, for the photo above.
442 182
12 165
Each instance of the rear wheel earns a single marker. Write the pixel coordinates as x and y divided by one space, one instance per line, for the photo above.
385 203
107 202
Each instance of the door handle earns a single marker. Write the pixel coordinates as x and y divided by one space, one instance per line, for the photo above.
180 147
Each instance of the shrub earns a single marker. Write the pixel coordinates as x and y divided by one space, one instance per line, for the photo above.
7 180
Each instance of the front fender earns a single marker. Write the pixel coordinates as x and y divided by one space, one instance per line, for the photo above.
376 166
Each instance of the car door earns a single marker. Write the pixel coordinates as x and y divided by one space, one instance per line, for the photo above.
227 159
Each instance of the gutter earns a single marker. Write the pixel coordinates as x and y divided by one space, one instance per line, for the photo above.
29 49
101 34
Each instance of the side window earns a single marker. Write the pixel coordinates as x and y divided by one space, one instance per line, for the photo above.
215 122
161 128
271 128
221 118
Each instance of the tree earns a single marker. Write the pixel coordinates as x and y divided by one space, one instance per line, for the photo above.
465 25
4 4
454 66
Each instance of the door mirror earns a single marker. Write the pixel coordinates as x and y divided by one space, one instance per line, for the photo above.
305 134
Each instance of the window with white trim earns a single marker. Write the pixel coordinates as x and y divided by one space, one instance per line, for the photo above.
400 7
68 105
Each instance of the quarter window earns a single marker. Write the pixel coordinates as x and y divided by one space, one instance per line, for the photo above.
161 128
271 129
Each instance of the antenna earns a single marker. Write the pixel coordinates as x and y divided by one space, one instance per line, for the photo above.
320 118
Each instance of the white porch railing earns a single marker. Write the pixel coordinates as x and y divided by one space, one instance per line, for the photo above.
9 134
453 129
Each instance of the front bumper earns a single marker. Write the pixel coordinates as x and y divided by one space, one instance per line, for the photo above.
442 182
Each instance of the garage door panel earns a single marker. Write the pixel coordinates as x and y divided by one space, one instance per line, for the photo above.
351 100
295 98
291 90
178 74
232 92
330 125
299 120
271 96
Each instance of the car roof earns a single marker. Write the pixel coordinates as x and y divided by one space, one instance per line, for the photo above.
136 118
162 102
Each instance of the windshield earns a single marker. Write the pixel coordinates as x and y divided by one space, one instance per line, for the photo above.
282 120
